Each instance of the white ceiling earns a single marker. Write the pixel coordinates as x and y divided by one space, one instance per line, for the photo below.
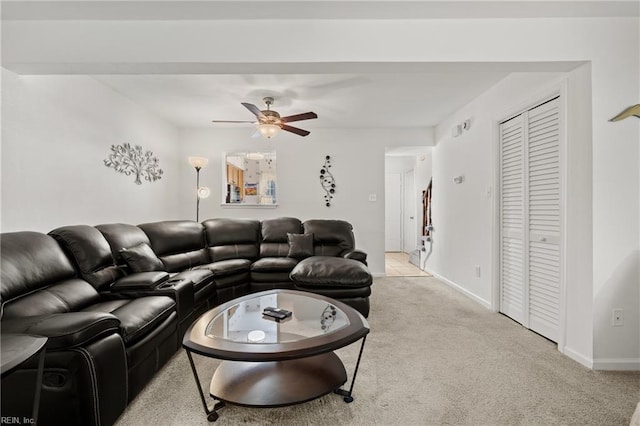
342 94
340 100
404 95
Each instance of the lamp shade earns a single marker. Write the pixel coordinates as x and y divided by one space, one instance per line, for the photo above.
198 162
268 130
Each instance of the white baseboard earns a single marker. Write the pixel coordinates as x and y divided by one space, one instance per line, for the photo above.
617 364
462 290
578 357
378 274
604 364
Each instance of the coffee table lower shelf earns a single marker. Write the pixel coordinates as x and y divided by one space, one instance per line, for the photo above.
277 383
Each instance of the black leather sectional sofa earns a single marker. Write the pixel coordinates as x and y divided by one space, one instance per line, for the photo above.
115 299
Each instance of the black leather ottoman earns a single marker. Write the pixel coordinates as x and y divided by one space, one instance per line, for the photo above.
346 280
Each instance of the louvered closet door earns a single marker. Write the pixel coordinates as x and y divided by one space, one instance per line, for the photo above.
530 261
544 218
512 204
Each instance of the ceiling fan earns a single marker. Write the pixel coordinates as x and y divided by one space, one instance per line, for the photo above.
269 121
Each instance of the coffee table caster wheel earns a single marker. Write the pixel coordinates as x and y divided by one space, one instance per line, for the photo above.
348 399
212 417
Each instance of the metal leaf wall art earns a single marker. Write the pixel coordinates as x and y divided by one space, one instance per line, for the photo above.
133 161
327 181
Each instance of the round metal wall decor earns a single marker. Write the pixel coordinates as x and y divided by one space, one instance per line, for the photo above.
327 181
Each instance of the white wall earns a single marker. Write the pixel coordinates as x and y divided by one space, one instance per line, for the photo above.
463 236
56 132
611 46
399 164
358 165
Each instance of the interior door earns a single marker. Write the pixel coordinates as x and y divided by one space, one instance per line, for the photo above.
544 218
530 217
512 229
393 212
410 226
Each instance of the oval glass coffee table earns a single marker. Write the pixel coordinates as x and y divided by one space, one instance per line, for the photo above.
270 361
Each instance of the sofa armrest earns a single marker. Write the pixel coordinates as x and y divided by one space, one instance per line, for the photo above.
143 284
140 281
358 255
65 330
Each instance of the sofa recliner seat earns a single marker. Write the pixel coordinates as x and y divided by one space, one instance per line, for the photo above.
343 279
86 374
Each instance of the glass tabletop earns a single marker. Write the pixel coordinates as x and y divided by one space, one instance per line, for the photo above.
245 321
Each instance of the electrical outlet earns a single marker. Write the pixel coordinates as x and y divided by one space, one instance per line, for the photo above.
617 319
478 271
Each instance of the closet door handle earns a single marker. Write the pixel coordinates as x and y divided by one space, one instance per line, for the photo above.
543 239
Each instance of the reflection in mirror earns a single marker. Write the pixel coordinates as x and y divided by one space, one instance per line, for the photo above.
250 178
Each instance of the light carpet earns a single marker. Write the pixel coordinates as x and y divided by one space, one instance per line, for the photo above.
433 357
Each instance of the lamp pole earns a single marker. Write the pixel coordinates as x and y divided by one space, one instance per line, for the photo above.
198 194
198 163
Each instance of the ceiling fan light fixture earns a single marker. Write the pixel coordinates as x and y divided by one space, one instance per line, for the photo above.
268 130
255 156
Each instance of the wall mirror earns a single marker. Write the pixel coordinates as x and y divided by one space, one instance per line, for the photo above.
250 178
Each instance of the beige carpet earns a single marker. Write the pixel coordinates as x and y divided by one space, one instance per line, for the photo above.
433 357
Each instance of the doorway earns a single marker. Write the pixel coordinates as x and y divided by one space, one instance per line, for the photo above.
401 232
407 174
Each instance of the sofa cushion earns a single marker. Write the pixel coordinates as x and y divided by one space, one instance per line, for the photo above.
141 258
64 296
232 238
227 267
328 271
120 236
138 317
330 237
273 235
30 261
269 264
179 244
300 245
91 253
65 330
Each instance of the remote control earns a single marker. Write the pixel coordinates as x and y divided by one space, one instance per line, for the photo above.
276 312
276 315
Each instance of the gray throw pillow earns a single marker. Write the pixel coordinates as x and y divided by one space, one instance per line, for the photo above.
300 245
141 258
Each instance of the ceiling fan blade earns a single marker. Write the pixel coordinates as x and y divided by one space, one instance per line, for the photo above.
255 110
233 121
299 117
295 130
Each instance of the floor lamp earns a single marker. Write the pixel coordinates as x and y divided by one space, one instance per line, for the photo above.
201 191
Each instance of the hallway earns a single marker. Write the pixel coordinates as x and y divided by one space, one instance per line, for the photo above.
397 265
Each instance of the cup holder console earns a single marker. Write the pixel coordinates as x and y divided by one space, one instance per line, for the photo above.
167 284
